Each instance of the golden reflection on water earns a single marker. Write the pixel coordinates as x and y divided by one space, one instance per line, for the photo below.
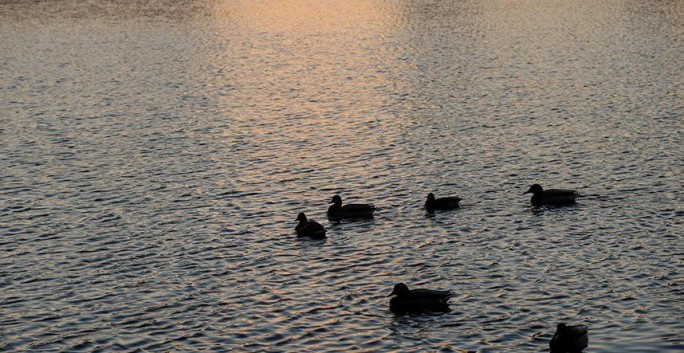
311 75
313 60
304 16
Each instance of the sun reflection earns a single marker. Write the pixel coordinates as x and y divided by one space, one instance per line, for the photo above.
304 16
303 60
306 77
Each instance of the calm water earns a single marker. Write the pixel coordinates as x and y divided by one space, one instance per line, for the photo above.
154 155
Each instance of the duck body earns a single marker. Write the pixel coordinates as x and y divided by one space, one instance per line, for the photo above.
551 196
417 301
441 203
569 339
307 228
337 212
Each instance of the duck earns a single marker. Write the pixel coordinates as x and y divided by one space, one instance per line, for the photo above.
569 339
442 203
417 301
337 212
551 196
307 228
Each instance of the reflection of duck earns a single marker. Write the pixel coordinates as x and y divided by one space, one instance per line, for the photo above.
569 339
551 196
442 203
307 228
338 212
418 300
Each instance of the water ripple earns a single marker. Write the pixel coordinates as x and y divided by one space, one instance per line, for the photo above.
152 169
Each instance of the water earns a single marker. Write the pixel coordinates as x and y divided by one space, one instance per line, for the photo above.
154 156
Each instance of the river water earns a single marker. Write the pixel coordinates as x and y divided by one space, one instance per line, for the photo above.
154 156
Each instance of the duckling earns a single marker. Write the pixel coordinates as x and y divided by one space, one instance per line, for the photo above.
337 212
551 196
418 300
442 203
307 228
569 339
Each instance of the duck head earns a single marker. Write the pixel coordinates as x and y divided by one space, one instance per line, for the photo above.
400 289
337 200
535 189
301 217
431 197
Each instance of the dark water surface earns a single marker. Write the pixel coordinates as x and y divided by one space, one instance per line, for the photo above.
154 156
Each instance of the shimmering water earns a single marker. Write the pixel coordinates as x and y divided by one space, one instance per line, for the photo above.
154 155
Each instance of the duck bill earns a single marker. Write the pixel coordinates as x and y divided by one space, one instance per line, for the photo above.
391 294
527 192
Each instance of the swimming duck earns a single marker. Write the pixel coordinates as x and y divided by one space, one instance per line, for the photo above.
569 339
338 212
442 203
551 196
307 228
418 300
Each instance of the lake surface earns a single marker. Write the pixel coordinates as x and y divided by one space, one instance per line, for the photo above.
154 156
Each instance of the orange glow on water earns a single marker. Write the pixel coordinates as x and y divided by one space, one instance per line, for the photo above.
317 58
303 16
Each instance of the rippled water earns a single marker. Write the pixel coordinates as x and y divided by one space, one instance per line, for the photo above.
154 155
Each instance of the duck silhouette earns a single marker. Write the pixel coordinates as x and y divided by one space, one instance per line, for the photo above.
569 339
307 228
337 212
442 203
405 301
551 196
